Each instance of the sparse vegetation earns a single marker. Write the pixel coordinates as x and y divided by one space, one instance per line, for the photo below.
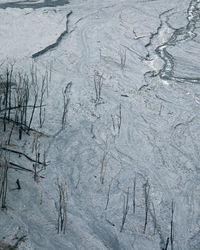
19 100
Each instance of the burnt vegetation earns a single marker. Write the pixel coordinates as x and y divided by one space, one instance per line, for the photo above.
22 104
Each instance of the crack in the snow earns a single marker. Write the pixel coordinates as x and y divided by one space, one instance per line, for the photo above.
59 39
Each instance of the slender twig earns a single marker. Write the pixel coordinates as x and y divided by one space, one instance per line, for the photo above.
98 83
120 118
108 194
21 153
134 193
154 218
34 105
103 166
172 225
166 245
22 106
17 123
18 167
125 209
43 89
62 209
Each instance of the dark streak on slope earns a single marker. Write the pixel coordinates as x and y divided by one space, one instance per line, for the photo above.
59 39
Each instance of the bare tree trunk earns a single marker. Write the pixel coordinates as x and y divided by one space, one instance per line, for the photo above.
172 225
98 83
167 243
146 196
108 194
125 209
134 193
4 181
62 209
34 106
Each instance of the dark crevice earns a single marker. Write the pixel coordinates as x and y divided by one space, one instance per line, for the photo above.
158 29
181 34
54 45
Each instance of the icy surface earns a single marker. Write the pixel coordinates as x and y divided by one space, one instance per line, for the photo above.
157 93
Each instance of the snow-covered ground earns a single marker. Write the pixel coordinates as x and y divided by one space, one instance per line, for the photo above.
144 127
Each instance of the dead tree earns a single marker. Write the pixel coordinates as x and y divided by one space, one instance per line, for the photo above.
172 225
120 119
66 100
4 183
154 219
26 97
22 154
122 54
5 102
43 90
134 193
10 89
36 165
108 194
103 164
146 197
34 84
166 245
98 83
34 104
62 208
125 209
10 134
14 107
117 121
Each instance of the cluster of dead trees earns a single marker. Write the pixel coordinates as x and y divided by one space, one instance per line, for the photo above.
22 108
21 97
149 211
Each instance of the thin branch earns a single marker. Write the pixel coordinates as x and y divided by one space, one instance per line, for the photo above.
20 153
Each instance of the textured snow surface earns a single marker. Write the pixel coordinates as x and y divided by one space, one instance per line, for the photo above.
157 92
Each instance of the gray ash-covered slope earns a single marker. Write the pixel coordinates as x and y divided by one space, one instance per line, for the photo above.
33 4
145 127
